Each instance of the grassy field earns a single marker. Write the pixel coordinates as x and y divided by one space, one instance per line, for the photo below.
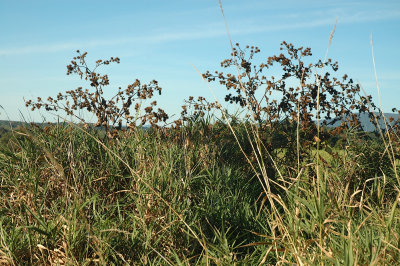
270 186
189 196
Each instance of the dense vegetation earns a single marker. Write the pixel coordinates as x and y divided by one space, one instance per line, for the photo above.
269 186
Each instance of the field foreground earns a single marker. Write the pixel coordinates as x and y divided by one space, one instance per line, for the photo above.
190 196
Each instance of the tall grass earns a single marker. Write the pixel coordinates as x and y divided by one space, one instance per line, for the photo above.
154 198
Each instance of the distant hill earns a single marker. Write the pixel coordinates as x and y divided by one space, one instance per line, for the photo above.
8 124
364 119
366 123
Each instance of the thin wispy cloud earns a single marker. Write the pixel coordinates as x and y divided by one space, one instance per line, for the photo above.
51 48
320 18
147 39
362 16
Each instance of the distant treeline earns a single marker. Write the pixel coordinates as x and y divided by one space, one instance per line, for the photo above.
6 125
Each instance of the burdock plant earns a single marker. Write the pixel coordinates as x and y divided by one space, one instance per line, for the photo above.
111 113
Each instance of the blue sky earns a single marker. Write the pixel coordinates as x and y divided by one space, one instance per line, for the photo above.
163 40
